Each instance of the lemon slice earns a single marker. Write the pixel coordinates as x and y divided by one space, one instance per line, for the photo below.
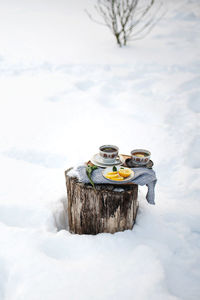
111 173
114 176
118 178
139 155
125 172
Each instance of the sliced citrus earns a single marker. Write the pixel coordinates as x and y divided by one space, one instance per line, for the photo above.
139 155
125 172
112 176
112 173
118 178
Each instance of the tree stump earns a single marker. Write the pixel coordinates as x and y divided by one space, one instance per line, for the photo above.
109 208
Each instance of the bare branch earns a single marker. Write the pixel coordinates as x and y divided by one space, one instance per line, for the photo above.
127 19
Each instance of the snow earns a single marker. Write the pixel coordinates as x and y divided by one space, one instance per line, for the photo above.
66 89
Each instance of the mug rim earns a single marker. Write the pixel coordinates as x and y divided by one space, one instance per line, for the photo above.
111 146
141 150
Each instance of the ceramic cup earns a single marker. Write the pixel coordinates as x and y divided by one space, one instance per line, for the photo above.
108 153
140 156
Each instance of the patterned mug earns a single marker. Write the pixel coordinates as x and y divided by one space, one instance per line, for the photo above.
140 156
108 153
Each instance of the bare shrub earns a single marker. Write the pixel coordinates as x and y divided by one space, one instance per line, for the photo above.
127 19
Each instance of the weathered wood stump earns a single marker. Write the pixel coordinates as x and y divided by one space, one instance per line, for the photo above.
109 208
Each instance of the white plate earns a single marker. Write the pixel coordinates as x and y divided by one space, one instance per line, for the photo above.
110 169
96 161
99 159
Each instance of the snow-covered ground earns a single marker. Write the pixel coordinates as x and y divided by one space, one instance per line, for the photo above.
66 89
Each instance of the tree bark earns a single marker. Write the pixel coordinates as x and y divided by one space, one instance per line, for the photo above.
109 208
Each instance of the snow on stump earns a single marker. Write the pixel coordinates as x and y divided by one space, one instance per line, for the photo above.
109 208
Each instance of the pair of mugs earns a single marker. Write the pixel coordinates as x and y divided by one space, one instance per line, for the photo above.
109 154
